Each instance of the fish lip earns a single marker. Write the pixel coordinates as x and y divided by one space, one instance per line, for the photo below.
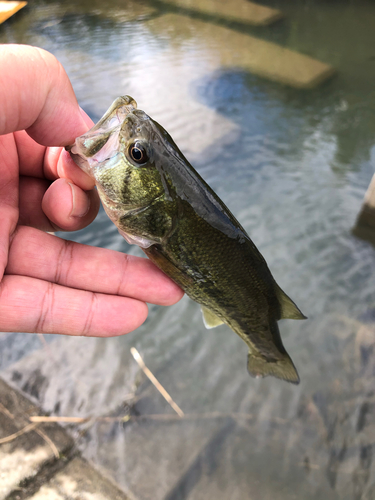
115 115
112 119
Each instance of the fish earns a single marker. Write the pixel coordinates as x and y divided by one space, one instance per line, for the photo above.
159 202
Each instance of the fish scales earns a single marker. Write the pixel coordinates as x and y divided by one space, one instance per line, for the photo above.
159 202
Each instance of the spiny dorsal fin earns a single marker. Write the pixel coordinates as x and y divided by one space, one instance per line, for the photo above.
288 307
210 319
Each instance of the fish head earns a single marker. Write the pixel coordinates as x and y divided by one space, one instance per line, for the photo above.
135 165
134 162
118 153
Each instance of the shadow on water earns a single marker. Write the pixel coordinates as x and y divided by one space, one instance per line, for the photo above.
205 464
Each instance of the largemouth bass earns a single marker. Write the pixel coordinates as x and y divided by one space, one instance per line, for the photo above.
159 202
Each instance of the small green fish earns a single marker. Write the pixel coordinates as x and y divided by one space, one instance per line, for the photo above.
159 202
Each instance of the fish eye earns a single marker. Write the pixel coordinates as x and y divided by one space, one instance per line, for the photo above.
138 153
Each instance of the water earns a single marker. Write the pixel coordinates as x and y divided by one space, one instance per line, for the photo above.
293 167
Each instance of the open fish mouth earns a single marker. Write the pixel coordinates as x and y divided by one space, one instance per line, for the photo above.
114 116
101 142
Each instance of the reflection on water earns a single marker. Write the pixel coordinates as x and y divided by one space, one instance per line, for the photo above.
293 167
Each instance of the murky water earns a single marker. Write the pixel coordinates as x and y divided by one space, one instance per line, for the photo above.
293 166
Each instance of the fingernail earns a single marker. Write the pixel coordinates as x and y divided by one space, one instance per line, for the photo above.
80 202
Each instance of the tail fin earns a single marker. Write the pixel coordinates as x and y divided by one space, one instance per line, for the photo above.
283 368
276 362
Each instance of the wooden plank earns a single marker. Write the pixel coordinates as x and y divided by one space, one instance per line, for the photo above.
229 48
7 9
234 10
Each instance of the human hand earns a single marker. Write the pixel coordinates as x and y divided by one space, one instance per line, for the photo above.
50 285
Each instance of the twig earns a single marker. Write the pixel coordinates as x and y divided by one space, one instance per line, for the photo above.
155 381
42 340
201 416
28 428
49 441
73 420
46 346
127 418
157 416
6 412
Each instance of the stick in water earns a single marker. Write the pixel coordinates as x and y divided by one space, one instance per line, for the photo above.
155 381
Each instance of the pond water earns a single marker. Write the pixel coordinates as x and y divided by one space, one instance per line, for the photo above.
293 166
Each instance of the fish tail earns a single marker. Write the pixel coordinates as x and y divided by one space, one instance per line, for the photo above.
277 364
283 368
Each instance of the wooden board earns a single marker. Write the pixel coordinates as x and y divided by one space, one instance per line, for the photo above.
232 10
7 9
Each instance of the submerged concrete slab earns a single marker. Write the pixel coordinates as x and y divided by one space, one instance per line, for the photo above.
79 481
39 461
234 10
7 9
228 48
25 449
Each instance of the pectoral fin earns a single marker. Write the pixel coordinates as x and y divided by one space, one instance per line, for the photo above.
136 240
210 319
288 307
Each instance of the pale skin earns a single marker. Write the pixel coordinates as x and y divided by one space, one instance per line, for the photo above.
49 285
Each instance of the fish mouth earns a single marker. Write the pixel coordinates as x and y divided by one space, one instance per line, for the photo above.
115 115
101 141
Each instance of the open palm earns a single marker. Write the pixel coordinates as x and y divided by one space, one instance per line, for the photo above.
48 284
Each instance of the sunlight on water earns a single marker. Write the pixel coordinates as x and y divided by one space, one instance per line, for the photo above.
293 166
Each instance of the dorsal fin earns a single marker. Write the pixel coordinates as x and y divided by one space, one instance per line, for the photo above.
287 306
210 319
